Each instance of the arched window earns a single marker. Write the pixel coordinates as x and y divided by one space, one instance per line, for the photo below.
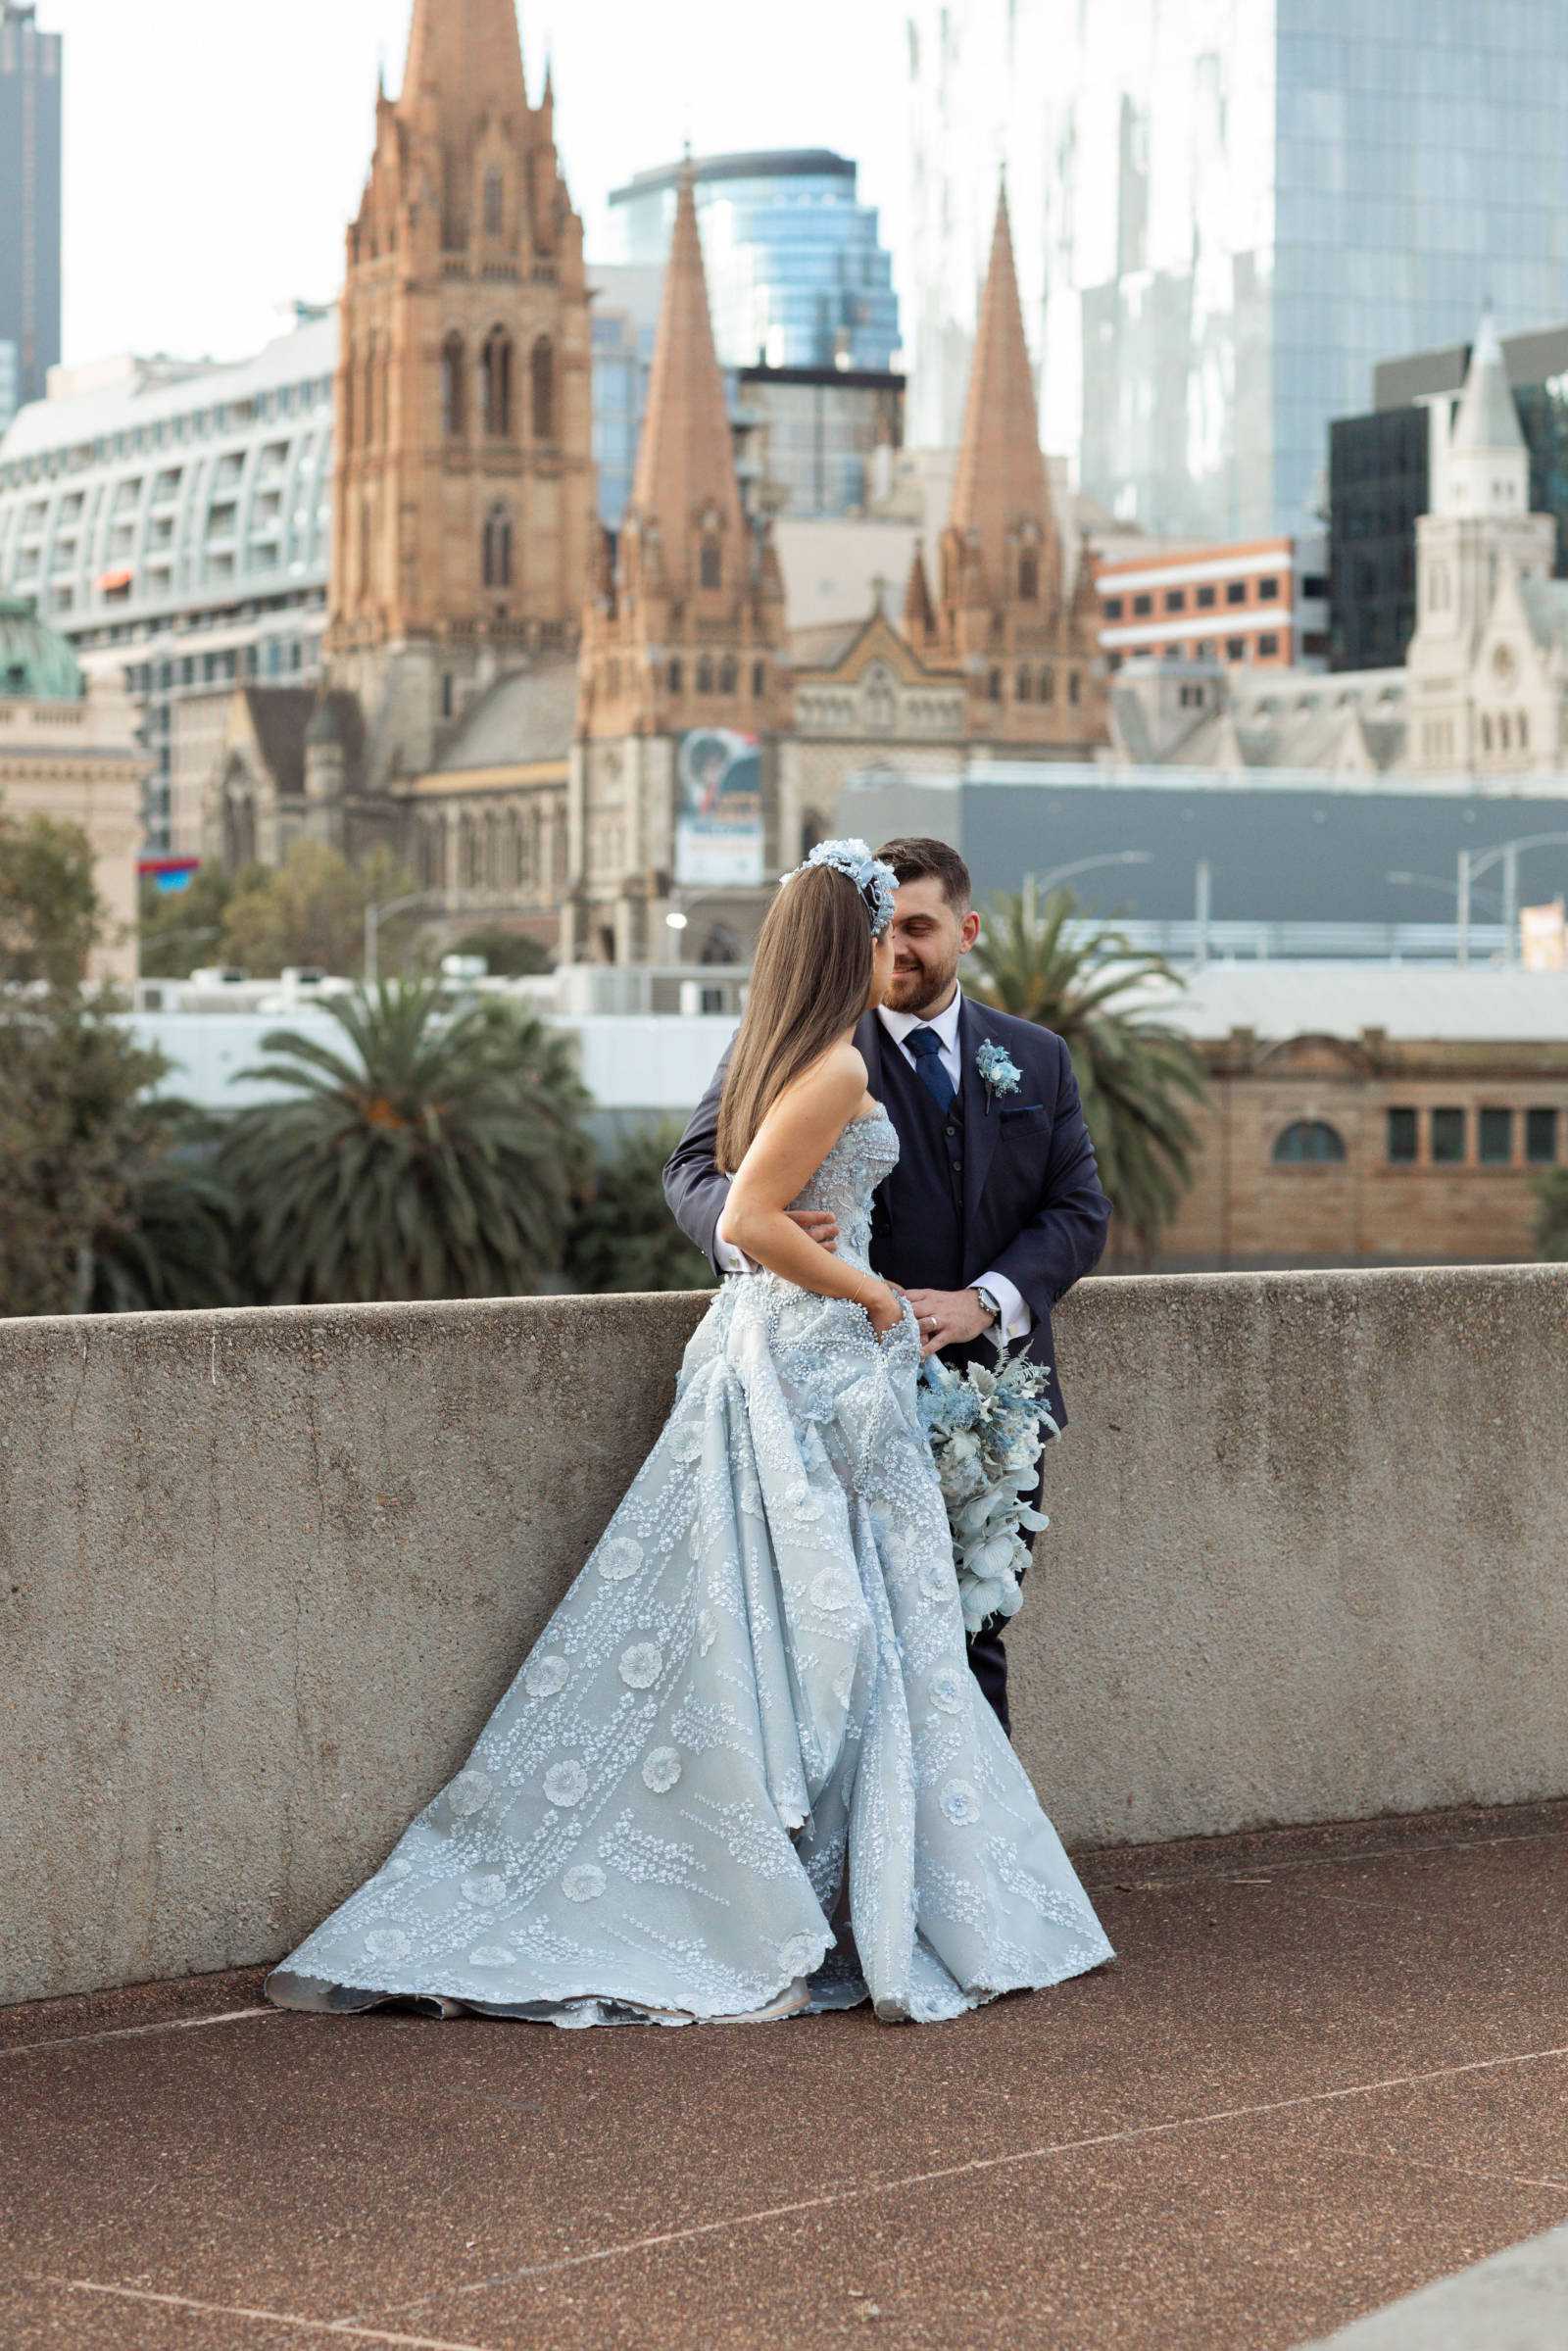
542 389
1504 731
496 369
1072 685
1025 686
1028 576
676 675
729 676
495 199
711 572
704 675
759 683
497 553
994 685
1486 732
454 388
1309 1142
812 830
1524 730
1048 685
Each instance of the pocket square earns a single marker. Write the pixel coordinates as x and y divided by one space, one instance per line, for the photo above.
1019 1110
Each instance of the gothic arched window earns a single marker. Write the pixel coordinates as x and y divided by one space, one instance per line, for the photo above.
542 389
497 551
1028 576
1025 686
494 367
704 675
495 198
760 685
1048 685
711 572
994 685
454 388
676 675
1309 1142
729 675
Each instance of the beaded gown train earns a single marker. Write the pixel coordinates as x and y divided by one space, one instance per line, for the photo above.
746 1764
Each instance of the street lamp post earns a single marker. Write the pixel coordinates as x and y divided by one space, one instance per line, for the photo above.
1034 883
1472 866
375 915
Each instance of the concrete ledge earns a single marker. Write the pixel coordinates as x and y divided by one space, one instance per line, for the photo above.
262 1574
1517 2301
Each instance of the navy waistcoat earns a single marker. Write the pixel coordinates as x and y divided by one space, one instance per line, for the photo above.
918 1222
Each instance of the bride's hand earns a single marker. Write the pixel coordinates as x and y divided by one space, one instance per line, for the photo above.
885 1307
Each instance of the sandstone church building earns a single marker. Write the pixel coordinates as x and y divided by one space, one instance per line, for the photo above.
578 732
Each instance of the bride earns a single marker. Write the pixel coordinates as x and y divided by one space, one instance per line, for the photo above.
746 1770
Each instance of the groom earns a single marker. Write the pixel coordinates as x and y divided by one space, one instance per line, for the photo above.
995 1208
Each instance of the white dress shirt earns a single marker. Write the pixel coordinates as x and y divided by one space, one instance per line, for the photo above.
1017 1317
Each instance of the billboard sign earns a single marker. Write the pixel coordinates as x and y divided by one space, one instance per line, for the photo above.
718 810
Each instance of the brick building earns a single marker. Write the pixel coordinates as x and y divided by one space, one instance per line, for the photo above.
1260 601
1364 1115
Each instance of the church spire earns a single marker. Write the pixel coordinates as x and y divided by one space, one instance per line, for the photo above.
999 488
1486 419
685 481
919 614
458 46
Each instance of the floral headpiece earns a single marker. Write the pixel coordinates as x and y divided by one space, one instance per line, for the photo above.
875 881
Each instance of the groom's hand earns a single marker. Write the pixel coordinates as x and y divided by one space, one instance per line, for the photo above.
948 1317
817 1225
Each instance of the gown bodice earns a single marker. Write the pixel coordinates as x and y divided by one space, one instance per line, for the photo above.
866 1151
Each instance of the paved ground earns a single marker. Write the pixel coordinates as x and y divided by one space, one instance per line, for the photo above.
1330 2066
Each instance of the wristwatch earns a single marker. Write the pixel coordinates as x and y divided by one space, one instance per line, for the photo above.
988 1299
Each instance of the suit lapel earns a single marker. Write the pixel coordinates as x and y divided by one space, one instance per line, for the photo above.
981 1123
868 1036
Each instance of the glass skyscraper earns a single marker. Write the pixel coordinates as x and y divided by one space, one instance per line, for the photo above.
29 205
1226 212
797 274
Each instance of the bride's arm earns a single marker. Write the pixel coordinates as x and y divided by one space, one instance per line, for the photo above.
786 1151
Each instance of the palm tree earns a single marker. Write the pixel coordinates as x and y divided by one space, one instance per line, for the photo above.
438 1156
1551 1216
624 1236
1134 1072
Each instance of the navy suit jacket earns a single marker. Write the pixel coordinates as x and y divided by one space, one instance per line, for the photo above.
1033 1208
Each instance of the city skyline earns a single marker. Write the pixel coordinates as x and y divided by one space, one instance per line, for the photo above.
149 267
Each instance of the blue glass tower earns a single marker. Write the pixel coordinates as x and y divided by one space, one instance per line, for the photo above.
797 271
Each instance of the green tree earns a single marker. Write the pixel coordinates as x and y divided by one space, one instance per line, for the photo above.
51 917
72 1139
181 929
625 1237
510 954
1135 1073
310 910
174 1241
1551 1216
434 1156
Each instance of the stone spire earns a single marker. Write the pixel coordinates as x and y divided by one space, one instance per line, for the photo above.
1485 465
463 53
919 613
685 485
1000 502
1486 419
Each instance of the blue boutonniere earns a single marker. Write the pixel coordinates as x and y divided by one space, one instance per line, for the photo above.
997 1070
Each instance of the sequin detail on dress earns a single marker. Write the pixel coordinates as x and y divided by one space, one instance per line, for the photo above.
746 1748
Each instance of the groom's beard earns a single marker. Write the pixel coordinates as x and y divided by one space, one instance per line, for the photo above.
921 988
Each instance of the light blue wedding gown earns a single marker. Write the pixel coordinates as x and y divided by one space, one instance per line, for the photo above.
747 1758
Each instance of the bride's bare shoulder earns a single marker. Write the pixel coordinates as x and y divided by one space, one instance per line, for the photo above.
834 1082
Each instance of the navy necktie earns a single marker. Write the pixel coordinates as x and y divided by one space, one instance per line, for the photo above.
927 1046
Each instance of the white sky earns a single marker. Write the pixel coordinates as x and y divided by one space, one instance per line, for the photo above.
215 149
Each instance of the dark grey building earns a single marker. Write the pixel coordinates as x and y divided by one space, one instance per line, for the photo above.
1380 481
31 64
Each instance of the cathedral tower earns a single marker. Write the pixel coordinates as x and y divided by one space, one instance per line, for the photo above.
463 485
681 668
1005 615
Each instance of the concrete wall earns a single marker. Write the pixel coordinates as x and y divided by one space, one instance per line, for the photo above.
262 1574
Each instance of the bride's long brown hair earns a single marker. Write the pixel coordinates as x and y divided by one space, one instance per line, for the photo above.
811 982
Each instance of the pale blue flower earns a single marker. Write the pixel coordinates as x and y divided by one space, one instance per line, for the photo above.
999 1070
875 881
